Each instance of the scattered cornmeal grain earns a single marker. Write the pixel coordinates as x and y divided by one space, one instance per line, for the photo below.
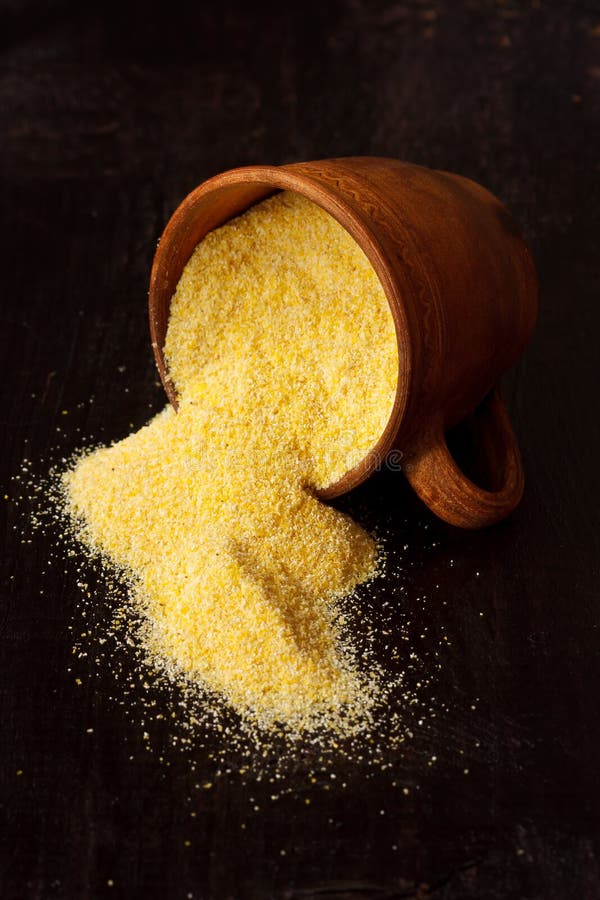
282 348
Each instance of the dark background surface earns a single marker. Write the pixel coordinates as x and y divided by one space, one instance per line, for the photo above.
109 115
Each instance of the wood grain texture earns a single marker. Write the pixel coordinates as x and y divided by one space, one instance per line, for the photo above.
109 118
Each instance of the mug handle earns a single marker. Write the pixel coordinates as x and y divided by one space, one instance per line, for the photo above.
446 490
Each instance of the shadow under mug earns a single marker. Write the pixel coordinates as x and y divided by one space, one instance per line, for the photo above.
462 290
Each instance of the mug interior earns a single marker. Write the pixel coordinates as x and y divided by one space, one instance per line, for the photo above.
228 195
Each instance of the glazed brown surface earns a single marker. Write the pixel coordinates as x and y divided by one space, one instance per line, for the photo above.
461 286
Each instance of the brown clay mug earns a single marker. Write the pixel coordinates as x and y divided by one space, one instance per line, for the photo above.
461 287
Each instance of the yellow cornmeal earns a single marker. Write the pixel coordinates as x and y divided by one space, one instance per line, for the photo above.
282 348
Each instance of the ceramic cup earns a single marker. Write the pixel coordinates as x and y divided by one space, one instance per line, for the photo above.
462 289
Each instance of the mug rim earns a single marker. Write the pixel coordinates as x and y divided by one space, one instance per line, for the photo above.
355 222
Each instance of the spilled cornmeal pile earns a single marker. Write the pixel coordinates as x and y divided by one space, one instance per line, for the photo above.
282 348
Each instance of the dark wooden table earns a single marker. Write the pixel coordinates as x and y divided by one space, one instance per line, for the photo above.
110 114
